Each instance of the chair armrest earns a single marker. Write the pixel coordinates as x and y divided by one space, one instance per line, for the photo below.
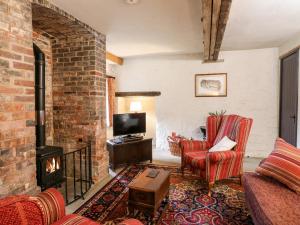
51 204
223 156
193 145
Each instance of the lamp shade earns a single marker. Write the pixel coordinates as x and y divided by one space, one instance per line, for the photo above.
135 106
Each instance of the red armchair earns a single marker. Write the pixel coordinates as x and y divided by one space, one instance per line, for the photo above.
45 209
215 166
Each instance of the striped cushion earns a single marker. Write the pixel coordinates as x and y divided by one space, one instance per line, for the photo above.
51 204
283 164
229 127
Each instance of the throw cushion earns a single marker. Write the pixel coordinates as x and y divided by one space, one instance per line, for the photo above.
224 145
283 164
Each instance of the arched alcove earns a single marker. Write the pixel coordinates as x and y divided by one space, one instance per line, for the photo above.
78 80
76 100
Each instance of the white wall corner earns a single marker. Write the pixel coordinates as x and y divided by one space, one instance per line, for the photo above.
289 45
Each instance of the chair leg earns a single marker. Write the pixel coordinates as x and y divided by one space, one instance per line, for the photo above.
210 185
241 174
240 177
182 165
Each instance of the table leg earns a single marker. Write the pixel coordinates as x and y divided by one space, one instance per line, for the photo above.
131 210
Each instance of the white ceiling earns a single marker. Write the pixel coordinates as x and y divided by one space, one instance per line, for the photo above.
173 26
261 23
150 27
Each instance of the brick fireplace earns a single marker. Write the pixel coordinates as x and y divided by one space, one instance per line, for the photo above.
75 89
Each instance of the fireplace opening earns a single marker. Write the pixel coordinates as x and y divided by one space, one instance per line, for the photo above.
52 164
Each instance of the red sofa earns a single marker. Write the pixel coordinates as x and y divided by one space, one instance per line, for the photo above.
45 209
270 202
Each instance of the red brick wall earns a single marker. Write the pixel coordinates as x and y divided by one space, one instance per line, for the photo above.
17 115
79 83
78 92
79 95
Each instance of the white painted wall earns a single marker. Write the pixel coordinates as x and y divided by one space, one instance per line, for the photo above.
253 85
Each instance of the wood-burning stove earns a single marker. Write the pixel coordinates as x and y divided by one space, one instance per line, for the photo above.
49 159
49 167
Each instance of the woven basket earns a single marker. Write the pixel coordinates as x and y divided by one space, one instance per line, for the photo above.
174 145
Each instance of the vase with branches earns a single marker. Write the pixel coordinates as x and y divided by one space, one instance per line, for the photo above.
217 113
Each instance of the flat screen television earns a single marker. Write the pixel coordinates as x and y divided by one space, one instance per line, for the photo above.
129 123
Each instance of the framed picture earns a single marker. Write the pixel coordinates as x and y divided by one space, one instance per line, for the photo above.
211 85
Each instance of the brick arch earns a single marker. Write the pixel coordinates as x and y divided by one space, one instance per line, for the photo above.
78 91
47 16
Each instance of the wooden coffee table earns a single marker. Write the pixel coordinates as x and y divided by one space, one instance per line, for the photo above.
146 194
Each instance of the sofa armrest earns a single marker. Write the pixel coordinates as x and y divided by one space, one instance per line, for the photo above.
51 204
73 219
18 210
193 145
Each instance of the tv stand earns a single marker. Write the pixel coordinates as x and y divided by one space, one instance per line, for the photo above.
130 138
129 152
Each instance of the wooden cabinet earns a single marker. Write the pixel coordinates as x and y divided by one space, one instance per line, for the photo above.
129 152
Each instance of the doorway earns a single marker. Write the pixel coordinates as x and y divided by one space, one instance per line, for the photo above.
289 72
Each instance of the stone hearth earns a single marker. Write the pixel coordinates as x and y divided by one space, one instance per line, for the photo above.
75 88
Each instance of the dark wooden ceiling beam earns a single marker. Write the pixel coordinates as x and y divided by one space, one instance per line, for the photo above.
223 18
216 7
215 16
138 93
206 20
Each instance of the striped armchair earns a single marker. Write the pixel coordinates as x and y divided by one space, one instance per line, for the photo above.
216 166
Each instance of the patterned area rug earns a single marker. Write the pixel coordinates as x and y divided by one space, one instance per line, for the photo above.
188 201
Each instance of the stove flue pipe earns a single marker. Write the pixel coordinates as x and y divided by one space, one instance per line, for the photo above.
40 97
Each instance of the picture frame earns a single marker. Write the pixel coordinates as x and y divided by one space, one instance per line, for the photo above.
211 85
